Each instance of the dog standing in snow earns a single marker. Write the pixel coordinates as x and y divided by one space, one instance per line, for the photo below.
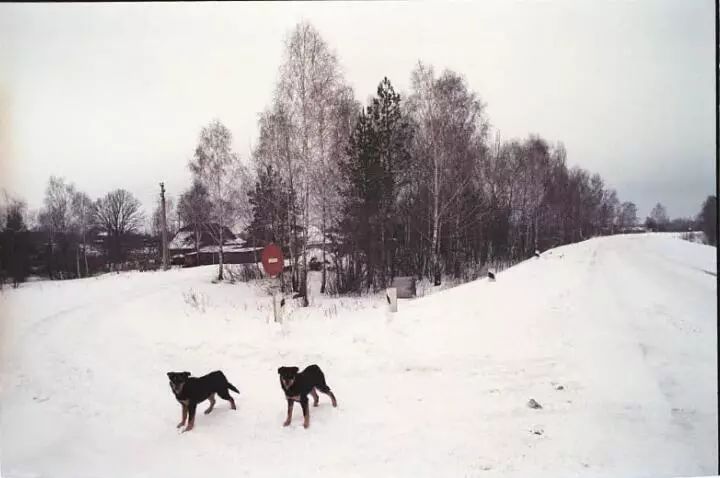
297 385
190 391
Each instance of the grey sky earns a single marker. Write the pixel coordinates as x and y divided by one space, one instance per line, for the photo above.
115 95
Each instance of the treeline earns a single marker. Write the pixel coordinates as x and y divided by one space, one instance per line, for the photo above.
73 236
410 183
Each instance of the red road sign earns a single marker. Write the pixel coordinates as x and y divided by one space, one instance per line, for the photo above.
272 260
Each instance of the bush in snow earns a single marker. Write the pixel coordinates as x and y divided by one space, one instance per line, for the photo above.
242 272
195 299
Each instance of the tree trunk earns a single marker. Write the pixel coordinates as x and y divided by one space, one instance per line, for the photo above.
435 257
456 254
220 254
117 248
306 158
293 243
323 197
383 254
324 273
51 256
197 245
303 286
84 244
436 223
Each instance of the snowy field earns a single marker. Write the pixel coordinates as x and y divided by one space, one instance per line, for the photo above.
614 337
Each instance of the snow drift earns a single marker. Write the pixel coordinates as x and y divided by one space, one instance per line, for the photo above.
614 338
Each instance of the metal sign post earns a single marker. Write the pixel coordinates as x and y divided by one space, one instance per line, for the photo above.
277 307
272 261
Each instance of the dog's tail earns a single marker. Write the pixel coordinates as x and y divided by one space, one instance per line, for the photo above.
232 387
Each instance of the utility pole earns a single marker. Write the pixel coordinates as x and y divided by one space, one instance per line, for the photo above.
165 255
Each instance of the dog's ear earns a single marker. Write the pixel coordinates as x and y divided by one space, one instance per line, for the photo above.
170 374
280 369
186 374
294 369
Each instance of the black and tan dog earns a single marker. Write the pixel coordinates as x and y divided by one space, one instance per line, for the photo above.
190 391
297 385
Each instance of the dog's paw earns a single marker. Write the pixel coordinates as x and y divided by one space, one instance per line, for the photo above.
187 429
181 424
286 424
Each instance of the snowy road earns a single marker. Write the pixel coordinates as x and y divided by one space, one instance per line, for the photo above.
614 337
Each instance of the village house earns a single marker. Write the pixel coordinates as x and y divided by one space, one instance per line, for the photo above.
183 250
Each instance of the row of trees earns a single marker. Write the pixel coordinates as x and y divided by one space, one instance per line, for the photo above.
707 220
408 184
14 241
69 216
61 240
74 236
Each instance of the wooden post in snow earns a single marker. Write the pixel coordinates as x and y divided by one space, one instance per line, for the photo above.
278 306
391 296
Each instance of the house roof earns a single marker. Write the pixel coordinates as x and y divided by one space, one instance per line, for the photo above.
229 248
184 239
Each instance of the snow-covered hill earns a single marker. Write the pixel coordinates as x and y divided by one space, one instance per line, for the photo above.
614 337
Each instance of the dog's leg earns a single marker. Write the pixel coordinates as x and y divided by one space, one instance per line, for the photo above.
212 404
326 390
191 419
289 413
225 395
184 416
306 411
315 397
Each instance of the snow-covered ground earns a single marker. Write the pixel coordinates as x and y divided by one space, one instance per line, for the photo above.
614 337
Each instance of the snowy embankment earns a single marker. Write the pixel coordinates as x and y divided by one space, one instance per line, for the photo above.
614 337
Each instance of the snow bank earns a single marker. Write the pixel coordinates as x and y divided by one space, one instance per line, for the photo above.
614 337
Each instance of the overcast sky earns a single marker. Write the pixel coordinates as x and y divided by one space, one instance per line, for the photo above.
114 95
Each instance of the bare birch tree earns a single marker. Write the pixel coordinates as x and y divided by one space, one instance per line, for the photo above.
451 126
276 148
82 217
221 173
628 215
56 219
194 210
303 111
